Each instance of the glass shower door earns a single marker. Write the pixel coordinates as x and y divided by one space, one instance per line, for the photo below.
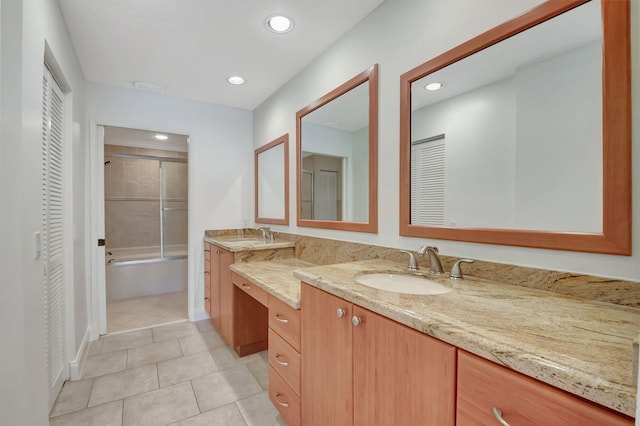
173 208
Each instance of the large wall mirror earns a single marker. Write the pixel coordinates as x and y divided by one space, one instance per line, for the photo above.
522 136
337 152
272 182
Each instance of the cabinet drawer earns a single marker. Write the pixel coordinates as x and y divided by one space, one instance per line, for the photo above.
285 321
251 289
522 400
284 399
285 360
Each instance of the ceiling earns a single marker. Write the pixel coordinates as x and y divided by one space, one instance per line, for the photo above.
191 47
144 139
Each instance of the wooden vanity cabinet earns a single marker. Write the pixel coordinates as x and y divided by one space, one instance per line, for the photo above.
522 401
371 371
207 278
221 291
250 317
284 360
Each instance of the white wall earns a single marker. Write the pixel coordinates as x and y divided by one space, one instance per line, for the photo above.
220 161
26 26
400 35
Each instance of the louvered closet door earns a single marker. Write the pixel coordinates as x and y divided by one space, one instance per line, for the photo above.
52 232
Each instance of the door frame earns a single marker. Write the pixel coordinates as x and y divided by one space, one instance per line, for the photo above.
97 296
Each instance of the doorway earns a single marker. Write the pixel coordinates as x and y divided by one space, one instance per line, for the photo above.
146 228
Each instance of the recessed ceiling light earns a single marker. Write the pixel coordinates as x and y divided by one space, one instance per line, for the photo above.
236 80
434 86
279 24
162 137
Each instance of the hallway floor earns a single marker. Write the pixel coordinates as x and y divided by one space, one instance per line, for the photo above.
140 312
178 374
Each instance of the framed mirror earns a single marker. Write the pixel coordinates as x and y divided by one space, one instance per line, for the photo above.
272 182
527 142
337 157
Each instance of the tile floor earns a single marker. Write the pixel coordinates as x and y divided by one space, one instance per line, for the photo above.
178 374
146 311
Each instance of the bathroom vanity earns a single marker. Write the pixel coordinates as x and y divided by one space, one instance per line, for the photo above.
341 352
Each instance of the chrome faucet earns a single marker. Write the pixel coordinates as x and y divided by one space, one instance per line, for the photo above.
413 264
435 267
267 233
456 272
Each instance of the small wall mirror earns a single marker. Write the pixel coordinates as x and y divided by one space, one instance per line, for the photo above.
521 136
272 182
337 145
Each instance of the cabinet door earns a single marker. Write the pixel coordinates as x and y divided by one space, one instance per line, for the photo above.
523 401
401 376
226 296
327 380
207 278
214 291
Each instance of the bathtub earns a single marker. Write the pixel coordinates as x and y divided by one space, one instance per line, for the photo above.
137 272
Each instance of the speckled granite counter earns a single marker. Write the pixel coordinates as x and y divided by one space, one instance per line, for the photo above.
584 347
275 277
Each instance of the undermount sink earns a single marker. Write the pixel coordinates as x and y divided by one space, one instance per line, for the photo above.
403 283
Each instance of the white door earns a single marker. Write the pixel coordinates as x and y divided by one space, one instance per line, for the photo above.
53 233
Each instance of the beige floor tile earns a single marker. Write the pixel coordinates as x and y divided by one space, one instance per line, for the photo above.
123 384
200 342
228 415
100 365
224 387
173 331
146 311
204 326
257 410
131 339
102 415
160 407
150 354
72 397
95 347
260 370
226 358
185 368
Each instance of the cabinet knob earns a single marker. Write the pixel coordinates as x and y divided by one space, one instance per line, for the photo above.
498 414
356 321
279 319
284 404
217 251
282 363
340 312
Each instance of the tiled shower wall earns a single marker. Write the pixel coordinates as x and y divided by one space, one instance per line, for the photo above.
132 199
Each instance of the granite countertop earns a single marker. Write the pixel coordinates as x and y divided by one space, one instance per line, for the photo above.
582 346
275 277
237 244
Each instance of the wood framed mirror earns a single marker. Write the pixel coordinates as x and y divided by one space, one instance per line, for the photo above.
272 182
561 93
337 157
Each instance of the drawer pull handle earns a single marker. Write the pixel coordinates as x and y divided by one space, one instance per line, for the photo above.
283 363
244 285
284 321
498 413
340 312
284 404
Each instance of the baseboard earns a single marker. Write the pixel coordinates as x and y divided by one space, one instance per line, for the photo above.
75 366
199 315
